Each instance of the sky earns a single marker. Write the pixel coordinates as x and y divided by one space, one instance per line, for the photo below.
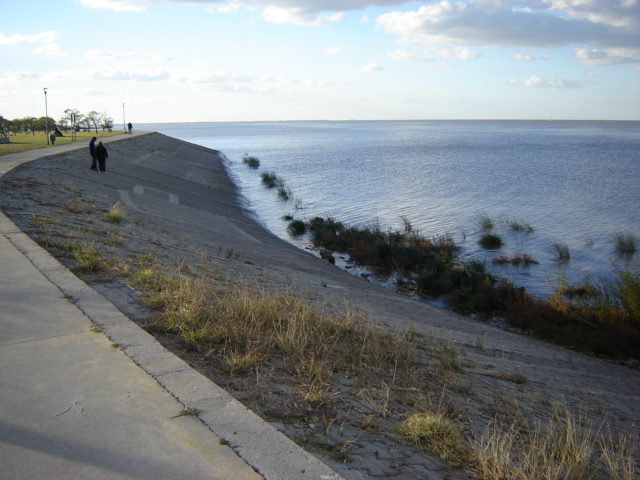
158 61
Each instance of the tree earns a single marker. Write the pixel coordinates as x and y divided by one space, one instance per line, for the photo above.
17 125
93 118
31 123
107 122
45 122
70 115
5 126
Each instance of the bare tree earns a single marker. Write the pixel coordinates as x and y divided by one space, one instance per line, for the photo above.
107 122
72 116
93 118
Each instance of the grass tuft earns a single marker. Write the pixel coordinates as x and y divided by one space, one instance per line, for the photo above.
88 257
566 447
269 179
297 227
484 222
116 214
561 250
251 161
435 432
626 242
491 241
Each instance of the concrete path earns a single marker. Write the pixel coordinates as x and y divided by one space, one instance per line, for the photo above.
75 406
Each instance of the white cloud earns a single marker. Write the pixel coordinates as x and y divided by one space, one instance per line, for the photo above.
49 36
19 76
49 49
520 57
619 13
552 83
106 74
116 5
333 50
448 23
372 67
538 24
160 59
458 53
89 92
109 55
608 56
299 16
299 12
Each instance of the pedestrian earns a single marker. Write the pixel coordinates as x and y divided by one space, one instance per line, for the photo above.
101 156
92 151
130 127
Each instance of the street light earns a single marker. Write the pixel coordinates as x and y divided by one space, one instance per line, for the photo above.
124 122
46 116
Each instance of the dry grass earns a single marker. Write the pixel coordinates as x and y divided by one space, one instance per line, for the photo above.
247 326
567 447
116 214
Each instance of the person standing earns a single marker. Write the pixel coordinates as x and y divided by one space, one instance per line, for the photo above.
130 128
92 151
101 156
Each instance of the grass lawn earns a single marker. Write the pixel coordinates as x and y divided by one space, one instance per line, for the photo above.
22 142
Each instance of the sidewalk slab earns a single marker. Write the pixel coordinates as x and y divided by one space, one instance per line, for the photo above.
74 406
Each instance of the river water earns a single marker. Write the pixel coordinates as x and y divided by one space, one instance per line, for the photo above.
574 182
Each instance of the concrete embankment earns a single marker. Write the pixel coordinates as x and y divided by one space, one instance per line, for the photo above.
181 209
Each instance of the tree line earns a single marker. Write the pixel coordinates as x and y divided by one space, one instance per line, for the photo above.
71 118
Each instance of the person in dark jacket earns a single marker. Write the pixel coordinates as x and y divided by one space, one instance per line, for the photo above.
101 156
92 151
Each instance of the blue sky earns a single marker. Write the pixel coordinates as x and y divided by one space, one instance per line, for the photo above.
244 60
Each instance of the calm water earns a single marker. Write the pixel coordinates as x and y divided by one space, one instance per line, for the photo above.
574 182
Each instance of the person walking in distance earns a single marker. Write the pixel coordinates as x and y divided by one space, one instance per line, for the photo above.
101 156
130 128
92 151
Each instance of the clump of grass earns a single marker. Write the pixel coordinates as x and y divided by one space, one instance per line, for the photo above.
484 222
516 377
565 447
519 226
435 432
284 192
602 319
247 327
116 214
269 179
517 259
491 241
626 242
561 250
88 257
76 207
251 161
297 227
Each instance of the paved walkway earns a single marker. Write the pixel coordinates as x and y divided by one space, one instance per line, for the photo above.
74 406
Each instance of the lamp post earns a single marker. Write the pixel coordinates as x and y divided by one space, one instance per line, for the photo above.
46 116
124 121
